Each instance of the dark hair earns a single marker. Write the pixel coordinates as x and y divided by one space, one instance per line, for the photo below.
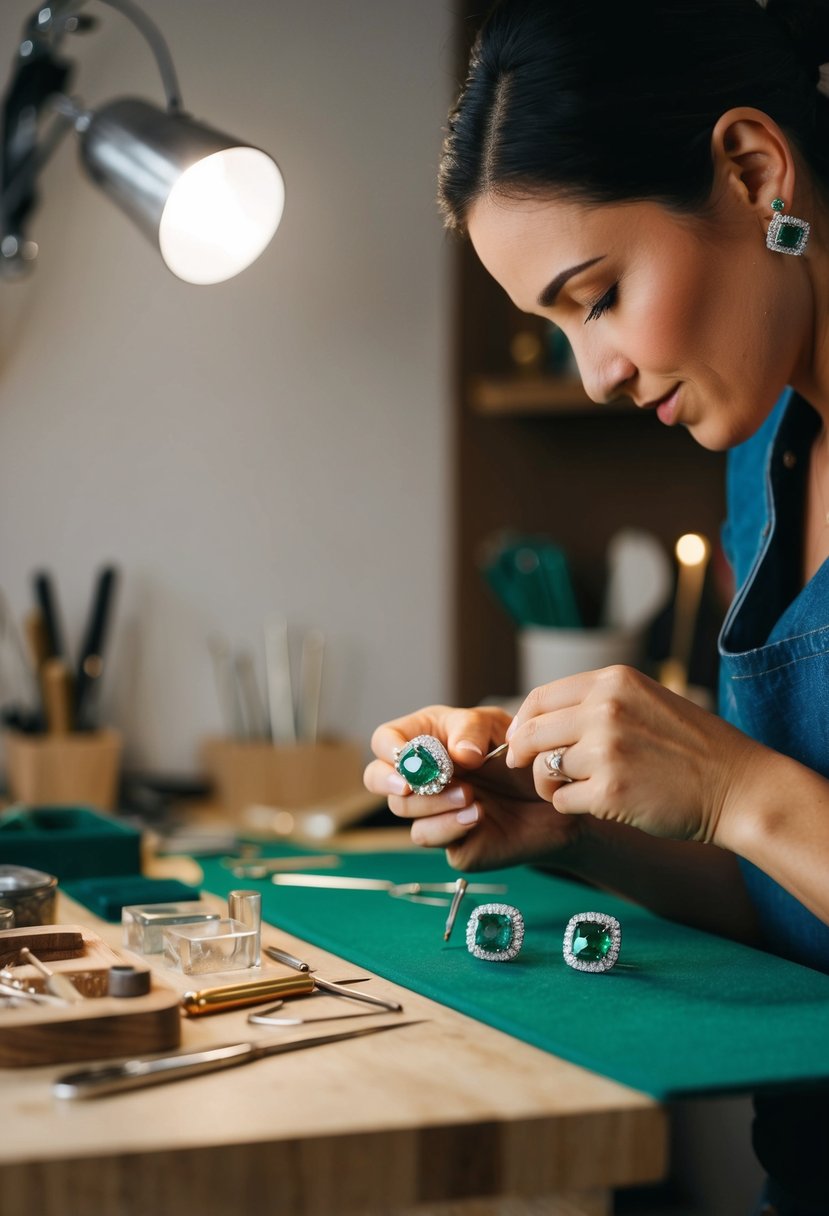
606 101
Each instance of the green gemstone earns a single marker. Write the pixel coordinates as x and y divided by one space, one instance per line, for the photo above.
777 204
789 236
418 766
493 931
591 941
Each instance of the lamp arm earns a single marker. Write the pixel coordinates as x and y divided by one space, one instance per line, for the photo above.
30 168
152 36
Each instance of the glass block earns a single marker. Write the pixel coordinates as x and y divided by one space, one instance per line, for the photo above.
142 923
215 945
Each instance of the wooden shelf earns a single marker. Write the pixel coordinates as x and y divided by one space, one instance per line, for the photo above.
513 395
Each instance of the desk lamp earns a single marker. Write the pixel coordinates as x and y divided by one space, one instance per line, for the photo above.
208 202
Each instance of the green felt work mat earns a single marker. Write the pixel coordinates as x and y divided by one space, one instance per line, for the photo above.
693 1014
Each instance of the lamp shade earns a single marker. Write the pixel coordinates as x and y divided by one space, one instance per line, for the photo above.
208 202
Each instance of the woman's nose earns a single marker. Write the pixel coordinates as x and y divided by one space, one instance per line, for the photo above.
605 375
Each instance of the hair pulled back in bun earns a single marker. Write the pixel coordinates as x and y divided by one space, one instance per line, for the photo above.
611 102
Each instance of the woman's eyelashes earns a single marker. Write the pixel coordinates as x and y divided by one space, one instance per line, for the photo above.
603 303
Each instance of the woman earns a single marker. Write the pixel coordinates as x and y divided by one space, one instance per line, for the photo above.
641 175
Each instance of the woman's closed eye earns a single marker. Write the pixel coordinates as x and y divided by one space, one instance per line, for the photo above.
603 303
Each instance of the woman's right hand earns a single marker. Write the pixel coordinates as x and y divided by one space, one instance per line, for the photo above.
486 817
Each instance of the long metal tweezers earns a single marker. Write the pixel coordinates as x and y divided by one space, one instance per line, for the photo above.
280 956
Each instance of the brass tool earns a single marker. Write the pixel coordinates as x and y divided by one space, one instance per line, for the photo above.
461 886
234 996
138 1073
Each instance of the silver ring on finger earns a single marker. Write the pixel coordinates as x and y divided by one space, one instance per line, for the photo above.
553 761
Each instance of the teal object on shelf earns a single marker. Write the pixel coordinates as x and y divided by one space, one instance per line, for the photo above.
69 842
530 576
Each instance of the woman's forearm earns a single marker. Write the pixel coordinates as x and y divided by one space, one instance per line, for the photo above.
777 817
697 884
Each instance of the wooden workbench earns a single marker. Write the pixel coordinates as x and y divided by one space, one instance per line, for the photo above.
446 1117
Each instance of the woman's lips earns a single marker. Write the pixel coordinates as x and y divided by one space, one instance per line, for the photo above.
666 410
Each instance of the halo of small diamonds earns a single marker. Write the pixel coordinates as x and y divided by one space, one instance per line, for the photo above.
608 950
787 234
494 920
442 764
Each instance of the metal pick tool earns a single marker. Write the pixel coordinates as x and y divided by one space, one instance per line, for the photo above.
461 886
137 1073
265 1017
57 984
496 751
263 867
280 956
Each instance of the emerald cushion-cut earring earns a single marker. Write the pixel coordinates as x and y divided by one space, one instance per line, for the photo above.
786 233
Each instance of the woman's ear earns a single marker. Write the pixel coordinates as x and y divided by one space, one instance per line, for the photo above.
752 158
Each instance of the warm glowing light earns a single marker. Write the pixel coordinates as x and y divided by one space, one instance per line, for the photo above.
221 214
691 549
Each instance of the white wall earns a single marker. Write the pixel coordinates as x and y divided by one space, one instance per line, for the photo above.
277 443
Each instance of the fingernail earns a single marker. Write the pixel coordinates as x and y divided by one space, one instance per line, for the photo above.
509 759
397 784
510 730
466 745
457 796
470 814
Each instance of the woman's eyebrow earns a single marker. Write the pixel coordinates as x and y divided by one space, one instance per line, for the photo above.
548 295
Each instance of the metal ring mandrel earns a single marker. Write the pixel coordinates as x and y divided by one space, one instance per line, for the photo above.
552 763
495 932
592 941
425 763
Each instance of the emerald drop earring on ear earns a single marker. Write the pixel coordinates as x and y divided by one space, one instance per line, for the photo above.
786 233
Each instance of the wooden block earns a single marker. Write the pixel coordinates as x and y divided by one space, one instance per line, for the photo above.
95 1029
48 942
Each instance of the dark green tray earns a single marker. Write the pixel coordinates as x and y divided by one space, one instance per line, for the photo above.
69 842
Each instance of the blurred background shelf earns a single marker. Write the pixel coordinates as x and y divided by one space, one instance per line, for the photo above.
516 395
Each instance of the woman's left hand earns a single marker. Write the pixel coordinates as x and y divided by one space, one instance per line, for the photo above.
637 753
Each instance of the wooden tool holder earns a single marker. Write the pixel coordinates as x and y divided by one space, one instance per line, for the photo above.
98 1028
52 770
297 776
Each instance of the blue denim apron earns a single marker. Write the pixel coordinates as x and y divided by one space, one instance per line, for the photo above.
774 685
774 643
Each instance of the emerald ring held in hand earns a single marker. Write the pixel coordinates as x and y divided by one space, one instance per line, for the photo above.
425 763
592 941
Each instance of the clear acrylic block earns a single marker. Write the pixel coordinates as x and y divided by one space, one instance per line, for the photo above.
216 945
142 923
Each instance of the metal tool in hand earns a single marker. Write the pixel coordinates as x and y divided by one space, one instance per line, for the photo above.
138 1073
290 960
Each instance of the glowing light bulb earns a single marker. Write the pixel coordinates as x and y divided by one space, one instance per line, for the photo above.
220 215
691 549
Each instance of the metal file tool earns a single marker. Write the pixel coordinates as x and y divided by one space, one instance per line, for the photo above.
138 1073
